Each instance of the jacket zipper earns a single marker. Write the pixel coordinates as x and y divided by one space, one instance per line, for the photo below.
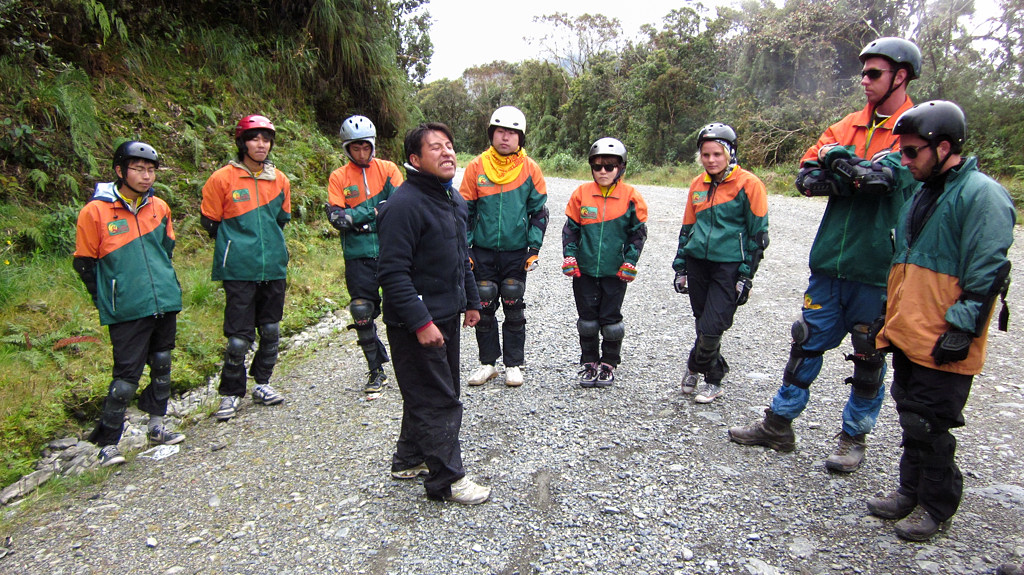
224 262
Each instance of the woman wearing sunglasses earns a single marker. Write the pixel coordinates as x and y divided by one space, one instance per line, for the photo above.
604 233
724 235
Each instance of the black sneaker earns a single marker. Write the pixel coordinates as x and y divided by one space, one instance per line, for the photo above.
588 375
375 381
110 455
606 378
160 435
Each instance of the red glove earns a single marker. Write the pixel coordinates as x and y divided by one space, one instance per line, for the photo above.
570 268
627 272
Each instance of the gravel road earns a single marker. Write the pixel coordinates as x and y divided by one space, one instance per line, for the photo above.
632 479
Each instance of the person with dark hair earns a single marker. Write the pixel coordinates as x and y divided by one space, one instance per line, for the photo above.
604 232
506 193
355 191
123 247
721 243
950 267
245 207
853 164
427 284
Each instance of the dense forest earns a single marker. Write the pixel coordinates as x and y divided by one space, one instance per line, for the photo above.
78 77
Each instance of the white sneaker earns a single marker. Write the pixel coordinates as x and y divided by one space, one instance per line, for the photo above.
708 393
482 375
466 492
513 376
690 381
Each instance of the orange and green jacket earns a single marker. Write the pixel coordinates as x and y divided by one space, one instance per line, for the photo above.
124 258
359 191
505 217
948 276
854 239
722 220
604 232
252 213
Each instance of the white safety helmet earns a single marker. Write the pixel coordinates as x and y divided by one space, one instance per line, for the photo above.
358 129
510 118
608 147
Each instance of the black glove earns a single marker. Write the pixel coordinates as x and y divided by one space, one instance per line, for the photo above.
743 286
680 283
954 345
338 218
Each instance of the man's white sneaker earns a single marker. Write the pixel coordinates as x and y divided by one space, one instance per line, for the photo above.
482 375
466 492
708 393
513 376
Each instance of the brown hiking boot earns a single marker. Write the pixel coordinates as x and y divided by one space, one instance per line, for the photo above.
849 453
892 506
774 431
919 525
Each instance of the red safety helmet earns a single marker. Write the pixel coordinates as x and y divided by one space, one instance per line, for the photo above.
253 122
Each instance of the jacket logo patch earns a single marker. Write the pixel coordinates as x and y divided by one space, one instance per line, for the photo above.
699 197
117 227
240 195
351 192
588 213
482 180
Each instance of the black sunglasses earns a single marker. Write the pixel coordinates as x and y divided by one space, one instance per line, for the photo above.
873 73
911 151
603 167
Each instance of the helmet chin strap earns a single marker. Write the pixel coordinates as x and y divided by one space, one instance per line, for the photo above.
892 88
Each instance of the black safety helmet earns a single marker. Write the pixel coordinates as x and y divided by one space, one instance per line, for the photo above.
903 53
718 132
133 150
934 122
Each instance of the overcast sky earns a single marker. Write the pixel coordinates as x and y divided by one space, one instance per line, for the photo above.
467 34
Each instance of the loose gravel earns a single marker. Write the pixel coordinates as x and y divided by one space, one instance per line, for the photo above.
632 479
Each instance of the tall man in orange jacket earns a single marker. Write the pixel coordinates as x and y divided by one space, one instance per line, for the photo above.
506 193
854 164
123 246
246 205
354 192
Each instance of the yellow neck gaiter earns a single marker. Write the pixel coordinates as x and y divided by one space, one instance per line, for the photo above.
607 191
500 169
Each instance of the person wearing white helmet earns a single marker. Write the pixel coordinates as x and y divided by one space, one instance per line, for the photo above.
354 192
604 233
245 207
506 194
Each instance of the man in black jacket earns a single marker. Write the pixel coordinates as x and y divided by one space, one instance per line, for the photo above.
426 280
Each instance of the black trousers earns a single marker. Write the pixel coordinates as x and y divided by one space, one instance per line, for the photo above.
361 281
928 471
713 301
247 305
599 299
494 266
428 378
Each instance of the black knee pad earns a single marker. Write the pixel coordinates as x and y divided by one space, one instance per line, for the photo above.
588 328
868 363
270 338
159 363
486 322
488 291
512 292
361 311
797 355
515 318
707 349
613 331
237 347
161 386
119 395
918 429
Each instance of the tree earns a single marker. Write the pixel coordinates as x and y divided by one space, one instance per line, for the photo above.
574 41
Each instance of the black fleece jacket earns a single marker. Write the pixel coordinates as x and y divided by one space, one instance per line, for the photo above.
423 266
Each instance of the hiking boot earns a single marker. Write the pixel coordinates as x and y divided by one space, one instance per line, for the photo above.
263 394
228 407
892 506
774 431
482 375
708 393
110 455
919 525
606 376
690 380
412 472
849 453
588 375
513 376
376 379
160 435
1010 569
466 492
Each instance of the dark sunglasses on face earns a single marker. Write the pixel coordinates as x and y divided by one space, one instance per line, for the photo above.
873 73
911 151
603 167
